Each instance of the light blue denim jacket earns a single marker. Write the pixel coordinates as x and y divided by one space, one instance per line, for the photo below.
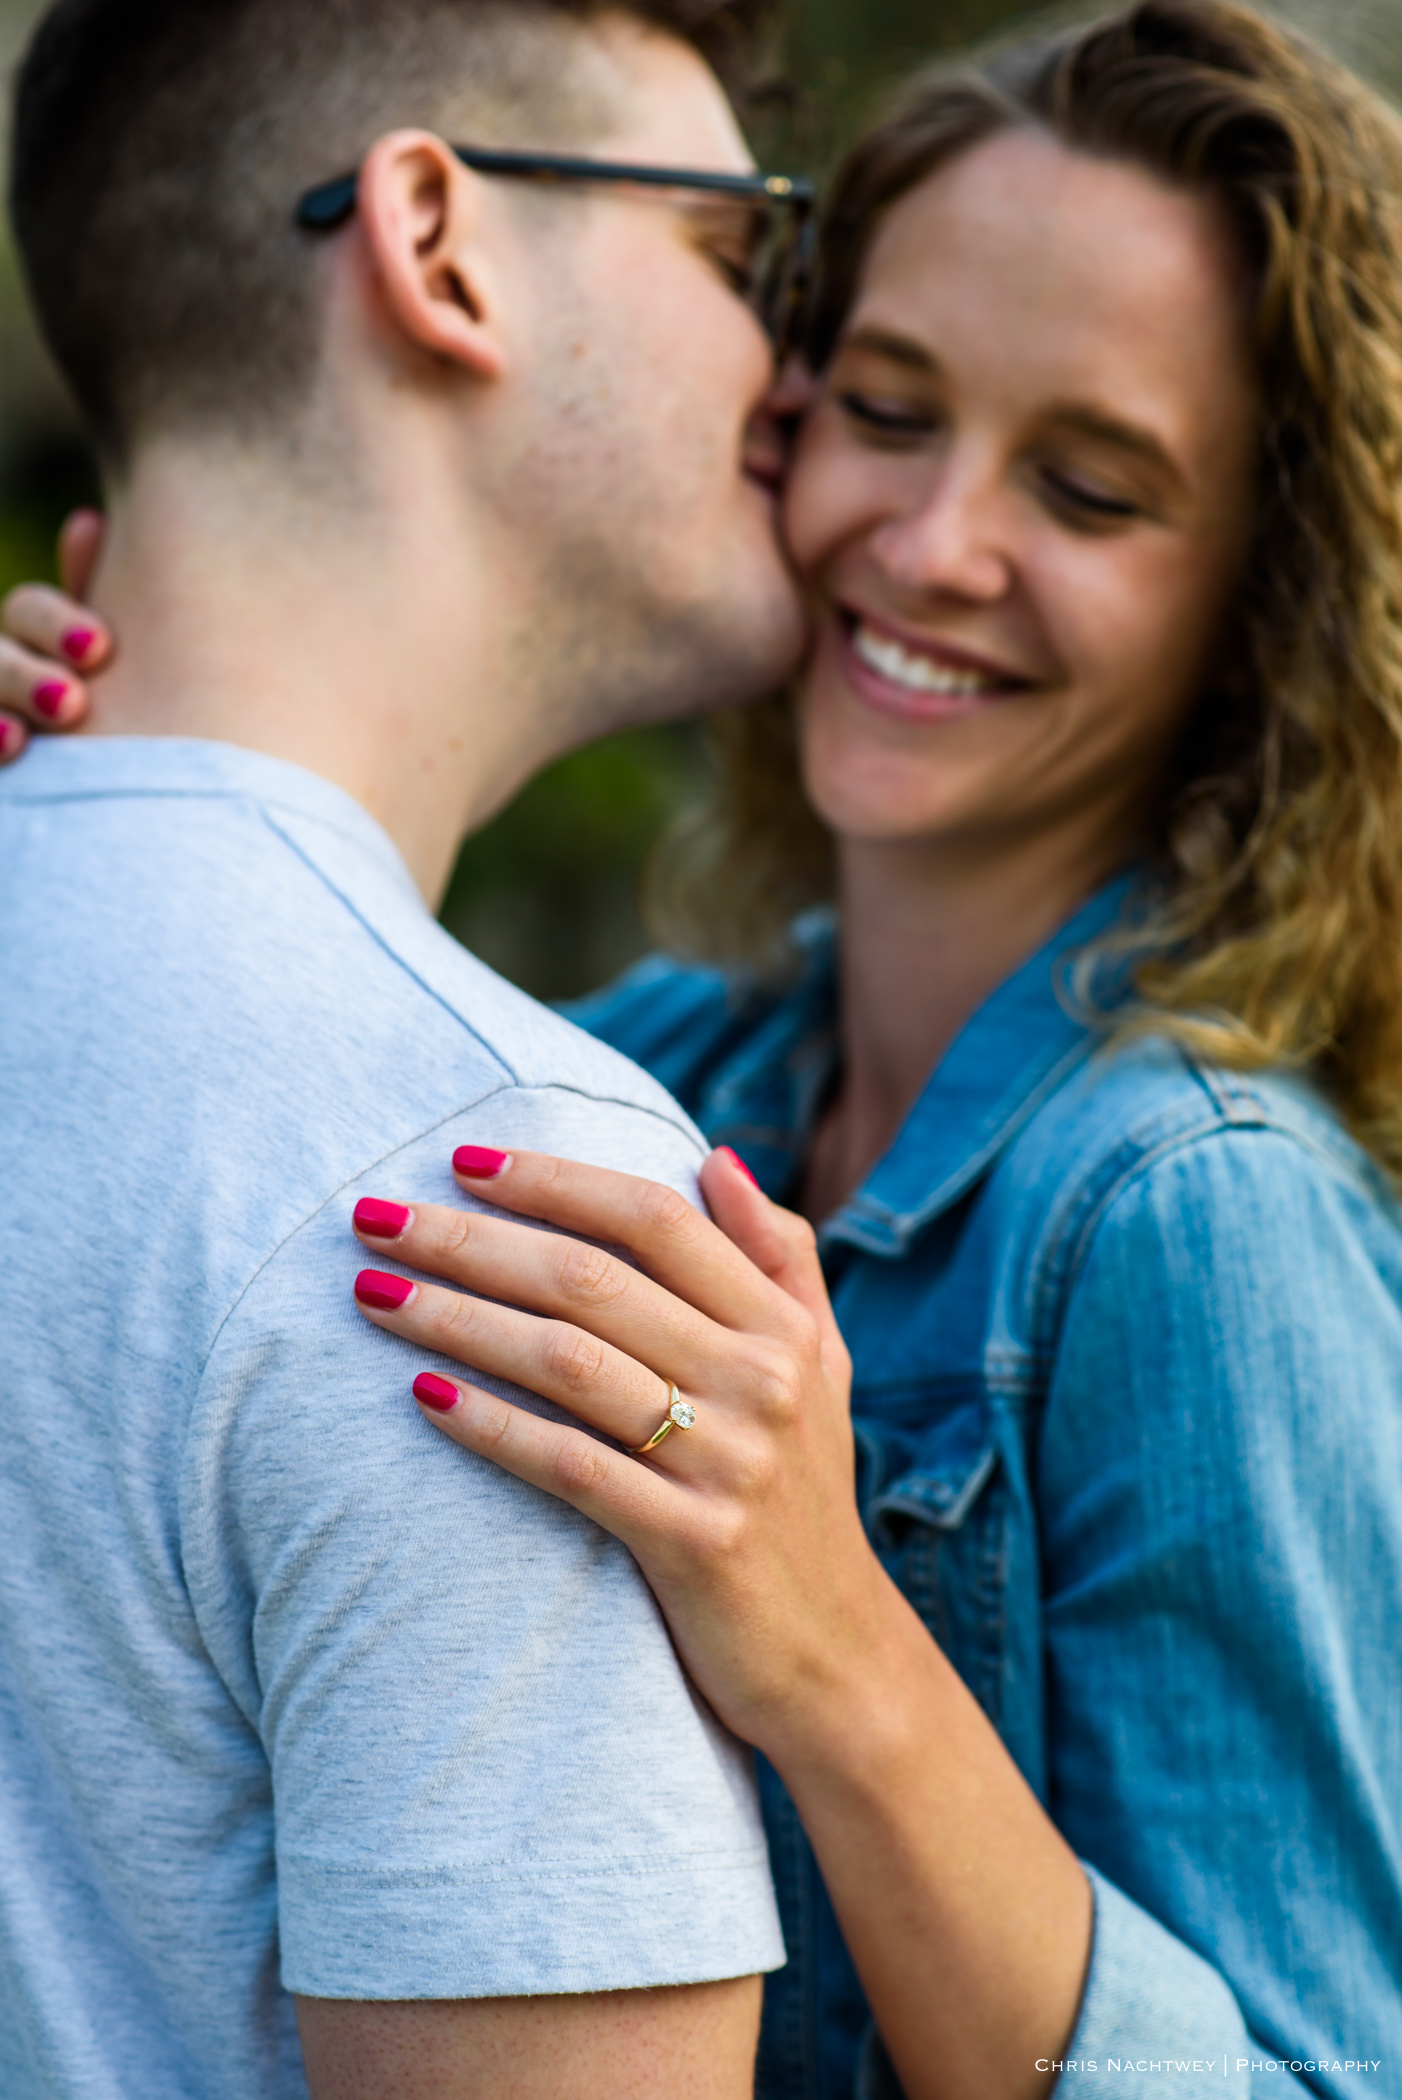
1128 1404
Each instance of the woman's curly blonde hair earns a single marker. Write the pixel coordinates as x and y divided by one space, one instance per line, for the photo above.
1274 928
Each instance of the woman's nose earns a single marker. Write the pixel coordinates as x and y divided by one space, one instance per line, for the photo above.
951 544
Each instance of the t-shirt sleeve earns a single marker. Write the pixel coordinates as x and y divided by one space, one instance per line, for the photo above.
1219 1474
490 1776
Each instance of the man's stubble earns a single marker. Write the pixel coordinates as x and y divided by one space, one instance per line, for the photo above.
659 586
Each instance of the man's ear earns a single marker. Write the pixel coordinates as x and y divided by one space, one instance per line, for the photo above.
421 213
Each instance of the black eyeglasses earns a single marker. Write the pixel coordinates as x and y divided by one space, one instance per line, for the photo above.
780 261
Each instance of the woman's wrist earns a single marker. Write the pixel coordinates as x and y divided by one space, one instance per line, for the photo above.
939 1860
861 1705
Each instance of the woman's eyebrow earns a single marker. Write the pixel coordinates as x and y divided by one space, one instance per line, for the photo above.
896 349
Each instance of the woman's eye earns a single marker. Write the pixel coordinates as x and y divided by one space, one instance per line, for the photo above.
895 419
1078 497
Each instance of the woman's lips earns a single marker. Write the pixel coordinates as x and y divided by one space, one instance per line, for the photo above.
900 678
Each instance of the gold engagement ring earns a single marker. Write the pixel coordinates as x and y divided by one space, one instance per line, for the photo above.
680 1415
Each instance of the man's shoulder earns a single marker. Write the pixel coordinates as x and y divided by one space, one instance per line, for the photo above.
227 990
252 915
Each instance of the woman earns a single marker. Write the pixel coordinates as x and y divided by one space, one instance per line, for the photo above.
1080 1722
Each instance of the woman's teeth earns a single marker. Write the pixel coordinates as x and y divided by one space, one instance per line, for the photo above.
917 673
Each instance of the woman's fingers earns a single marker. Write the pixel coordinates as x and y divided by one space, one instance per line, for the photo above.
630 1500
548 1274
604 1386
51 625
37 691
48 639
668 1237
782 1246
79 545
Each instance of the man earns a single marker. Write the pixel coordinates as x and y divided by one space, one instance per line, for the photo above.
288 1717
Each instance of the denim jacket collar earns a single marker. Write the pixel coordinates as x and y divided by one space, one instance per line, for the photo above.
1010 1055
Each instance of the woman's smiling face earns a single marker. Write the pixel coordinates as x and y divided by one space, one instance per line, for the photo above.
1022 501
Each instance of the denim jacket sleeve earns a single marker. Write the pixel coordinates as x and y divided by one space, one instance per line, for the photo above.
1220 1482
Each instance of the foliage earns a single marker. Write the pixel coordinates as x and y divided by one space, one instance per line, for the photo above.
548 893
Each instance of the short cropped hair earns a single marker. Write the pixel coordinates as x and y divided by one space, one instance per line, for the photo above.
159 148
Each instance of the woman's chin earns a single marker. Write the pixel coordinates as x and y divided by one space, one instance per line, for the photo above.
872 804
866 784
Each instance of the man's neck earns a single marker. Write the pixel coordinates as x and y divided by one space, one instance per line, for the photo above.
342 634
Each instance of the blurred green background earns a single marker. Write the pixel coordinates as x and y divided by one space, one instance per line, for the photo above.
548 892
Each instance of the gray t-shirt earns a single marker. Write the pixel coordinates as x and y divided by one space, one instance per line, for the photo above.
295 1696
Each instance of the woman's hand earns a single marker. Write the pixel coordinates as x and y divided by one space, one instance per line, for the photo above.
48 637
967 1915
746 1524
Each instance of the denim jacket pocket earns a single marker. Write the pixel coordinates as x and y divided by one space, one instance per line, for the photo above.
934 1473
936 1510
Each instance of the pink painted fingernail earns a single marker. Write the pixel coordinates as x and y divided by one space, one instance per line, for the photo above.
381 1221
49 697
735 1160
479 1162
77 642
383 1293
436 1393
6 732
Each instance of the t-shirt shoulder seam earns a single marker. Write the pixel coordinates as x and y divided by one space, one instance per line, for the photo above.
637 1108
308 1217
515 1076
431 991
460 1108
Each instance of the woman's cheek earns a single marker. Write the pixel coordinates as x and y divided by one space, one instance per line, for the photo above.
835 491
803 517
835 767
1134 628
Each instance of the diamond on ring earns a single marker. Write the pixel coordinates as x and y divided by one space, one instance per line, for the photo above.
680 1415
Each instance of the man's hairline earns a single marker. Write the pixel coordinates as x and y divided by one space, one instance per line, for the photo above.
485 120
596 31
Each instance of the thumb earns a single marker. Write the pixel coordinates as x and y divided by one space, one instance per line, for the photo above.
780 1244
79 545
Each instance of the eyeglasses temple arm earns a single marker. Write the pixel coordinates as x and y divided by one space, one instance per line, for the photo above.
328 206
